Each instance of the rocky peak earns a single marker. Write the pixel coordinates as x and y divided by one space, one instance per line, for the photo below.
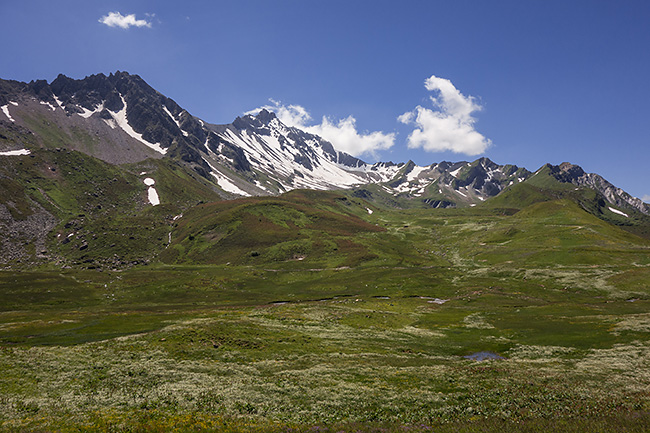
567 172
265 116
158 120
259 123
410 165
574 174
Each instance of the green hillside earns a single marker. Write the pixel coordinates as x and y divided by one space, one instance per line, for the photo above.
82 211
320 229
544 187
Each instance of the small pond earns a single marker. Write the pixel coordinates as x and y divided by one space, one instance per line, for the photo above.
483 356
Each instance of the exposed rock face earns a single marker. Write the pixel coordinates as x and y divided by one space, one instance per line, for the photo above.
124 103
570 173
488 178
448 184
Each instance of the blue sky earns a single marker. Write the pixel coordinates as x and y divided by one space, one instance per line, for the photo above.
537 81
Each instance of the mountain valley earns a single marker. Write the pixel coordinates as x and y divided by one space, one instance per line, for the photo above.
159 272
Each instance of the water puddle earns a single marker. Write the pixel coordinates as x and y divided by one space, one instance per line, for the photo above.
483 356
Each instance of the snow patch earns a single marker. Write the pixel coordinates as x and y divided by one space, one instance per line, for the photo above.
169 113
455 172
16 152
415 173
58 101
153 196
49 105
152 193
225 183
87 113
369 210
15 104
120 118
5 109
260 185
616 211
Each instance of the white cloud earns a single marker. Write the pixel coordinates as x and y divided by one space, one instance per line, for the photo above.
116 19
344 136
646 198
450 125
341 133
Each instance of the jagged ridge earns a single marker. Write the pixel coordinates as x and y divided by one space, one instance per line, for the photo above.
254 155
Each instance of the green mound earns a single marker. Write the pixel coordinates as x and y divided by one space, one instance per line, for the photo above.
319 228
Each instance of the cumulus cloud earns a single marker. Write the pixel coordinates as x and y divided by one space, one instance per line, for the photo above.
344 136
342 133
449 126
646 198
116 19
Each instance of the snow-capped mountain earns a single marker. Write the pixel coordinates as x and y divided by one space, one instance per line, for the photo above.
275 158
457 182
120 119
258 155
125 120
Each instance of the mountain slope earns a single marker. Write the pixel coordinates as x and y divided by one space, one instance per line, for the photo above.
446 184
62 206
590 191
573 174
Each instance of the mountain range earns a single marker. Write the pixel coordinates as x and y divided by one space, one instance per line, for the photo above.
107 155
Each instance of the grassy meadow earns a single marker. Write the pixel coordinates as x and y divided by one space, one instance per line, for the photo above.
360 324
